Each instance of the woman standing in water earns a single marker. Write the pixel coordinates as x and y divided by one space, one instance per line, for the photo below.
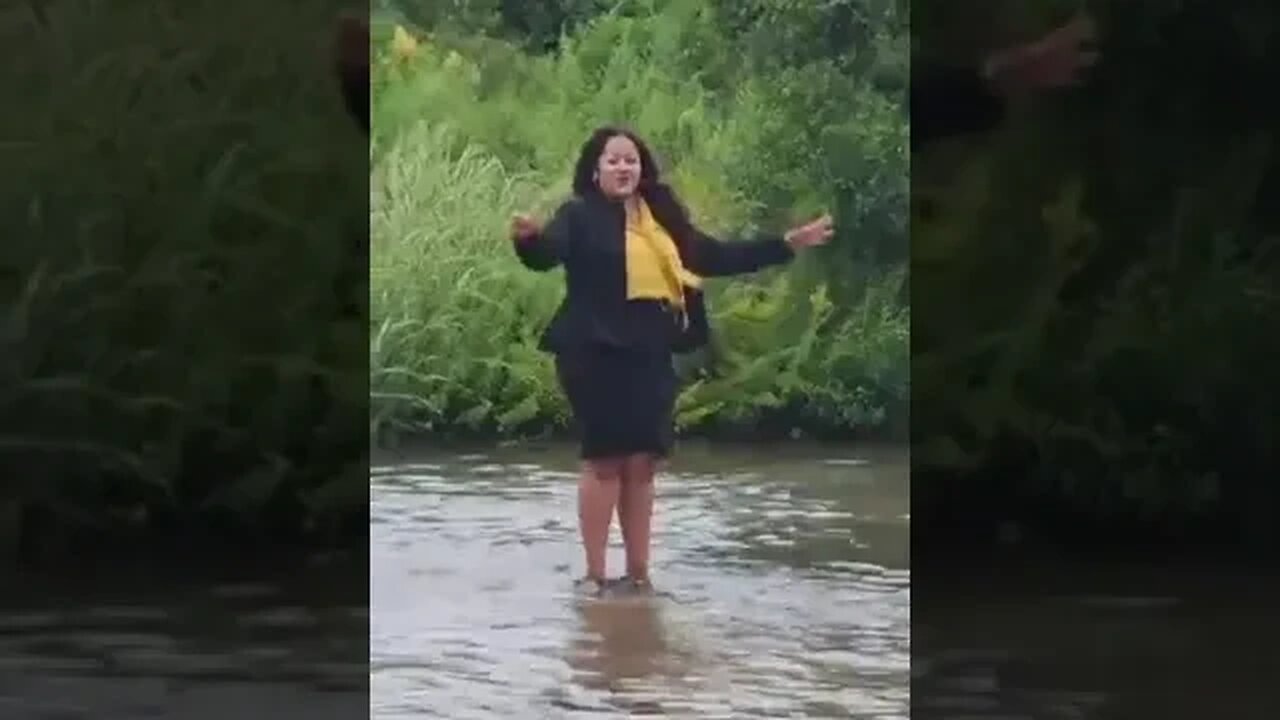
634 263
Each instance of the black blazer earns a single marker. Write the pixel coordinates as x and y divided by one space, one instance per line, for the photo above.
587 235
947 101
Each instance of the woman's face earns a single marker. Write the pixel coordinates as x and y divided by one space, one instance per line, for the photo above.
618 170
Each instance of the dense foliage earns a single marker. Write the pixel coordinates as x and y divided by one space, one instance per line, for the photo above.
1092 284
181 189
479 110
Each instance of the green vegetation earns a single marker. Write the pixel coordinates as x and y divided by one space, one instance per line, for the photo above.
1093 286
757 124
181 190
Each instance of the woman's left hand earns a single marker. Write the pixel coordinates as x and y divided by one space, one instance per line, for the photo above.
1059 59
816 232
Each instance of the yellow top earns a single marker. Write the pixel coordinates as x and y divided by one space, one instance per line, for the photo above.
654 269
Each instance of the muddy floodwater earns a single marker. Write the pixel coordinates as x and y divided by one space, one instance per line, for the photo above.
229 645
783 579
784 591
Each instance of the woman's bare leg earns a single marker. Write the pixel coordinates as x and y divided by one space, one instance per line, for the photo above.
598 489
635 513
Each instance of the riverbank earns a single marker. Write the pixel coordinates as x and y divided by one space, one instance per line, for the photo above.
696 450
780 429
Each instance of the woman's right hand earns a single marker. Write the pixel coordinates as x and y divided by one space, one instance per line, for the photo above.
524 227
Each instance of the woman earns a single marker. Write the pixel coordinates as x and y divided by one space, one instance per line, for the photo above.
634 263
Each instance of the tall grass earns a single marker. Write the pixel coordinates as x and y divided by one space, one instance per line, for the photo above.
1106 369
469 130
180 200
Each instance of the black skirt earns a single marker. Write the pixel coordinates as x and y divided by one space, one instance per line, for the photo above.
622 399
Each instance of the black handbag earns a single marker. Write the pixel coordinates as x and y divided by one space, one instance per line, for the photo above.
692 330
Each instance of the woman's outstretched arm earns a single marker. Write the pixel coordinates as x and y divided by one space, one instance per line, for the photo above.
710 257
544 247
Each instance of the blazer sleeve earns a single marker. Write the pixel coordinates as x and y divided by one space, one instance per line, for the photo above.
710 257
550 247
951 100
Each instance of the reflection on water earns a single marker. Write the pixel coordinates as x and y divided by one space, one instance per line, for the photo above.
783 590
132 648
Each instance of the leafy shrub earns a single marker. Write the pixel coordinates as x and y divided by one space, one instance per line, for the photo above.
471 129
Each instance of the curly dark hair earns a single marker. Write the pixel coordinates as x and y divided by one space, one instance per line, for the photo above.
659 196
